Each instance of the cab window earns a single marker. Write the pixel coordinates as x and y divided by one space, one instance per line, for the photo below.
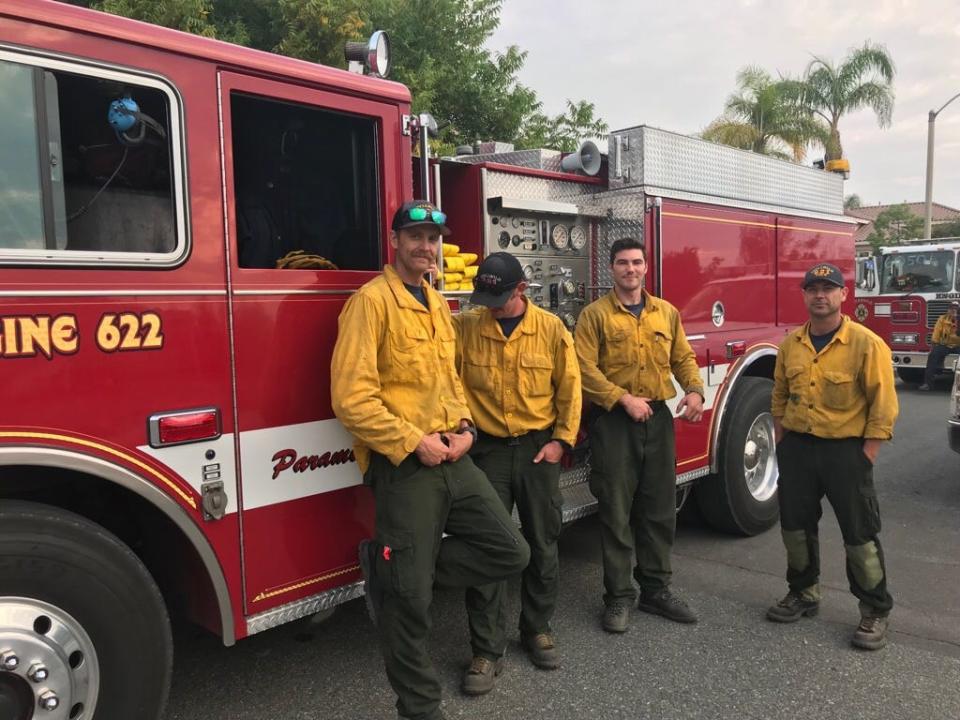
87 166
305 180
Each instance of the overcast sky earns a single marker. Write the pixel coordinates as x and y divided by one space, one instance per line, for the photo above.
672 65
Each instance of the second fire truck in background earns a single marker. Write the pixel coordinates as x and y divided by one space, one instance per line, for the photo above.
901 293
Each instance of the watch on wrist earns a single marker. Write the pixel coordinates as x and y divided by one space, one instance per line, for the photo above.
471 429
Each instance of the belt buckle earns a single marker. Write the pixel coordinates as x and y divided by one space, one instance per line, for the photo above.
513 441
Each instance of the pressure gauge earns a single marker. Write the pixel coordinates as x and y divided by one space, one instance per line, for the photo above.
517 240
569 320
528 272
578 237
515 222
504 239
559 237
569 287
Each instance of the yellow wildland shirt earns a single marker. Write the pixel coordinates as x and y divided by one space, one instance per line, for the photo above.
945 332
845 390
620 353
393 378
529 381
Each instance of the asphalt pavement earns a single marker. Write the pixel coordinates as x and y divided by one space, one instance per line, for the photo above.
732 664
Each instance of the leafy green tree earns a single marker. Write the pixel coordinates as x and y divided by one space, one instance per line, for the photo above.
761 117
945 230
852 202
893 226
864 79
438 51
565 131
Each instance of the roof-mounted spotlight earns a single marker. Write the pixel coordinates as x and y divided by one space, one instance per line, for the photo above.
371 57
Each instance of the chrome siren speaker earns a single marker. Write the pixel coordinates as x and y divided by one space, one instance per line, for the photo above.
585 160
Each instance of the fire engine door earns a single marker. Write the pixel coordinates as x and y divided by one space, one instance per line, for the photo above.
305 170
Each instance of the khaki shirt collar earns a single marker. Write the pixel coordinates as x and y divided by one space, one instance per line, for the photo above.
490 328
842 336
402 295
650 302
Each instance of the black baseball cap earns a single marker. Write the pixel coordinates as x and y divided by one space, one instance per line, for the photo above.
496 278
419 212
824 272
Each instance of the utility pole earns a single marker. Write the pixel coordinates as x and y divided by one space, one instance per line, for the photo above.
927 218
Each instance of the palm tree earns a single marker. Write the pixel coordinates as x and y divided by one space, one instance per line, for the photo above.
762 117
863 79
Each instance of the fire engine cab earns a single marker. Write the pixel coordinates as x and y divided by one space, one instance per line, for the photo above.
166 437
901 293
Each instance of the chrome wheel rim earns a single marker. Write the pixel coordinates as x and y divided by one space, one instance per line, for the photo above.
45 651
760 458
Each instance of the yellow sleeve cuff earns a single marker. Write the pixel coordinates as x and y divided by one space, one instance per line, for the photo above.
613 397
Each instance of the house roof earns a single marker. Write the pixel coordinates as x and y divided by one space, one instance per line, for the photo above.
938 214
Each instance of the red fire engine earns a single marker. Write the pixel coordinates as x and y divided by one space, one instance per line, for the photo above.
901 293
166 437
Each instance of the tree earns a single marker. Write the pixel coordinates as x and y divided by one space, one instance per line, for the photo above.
761 117
438 51
946 229
864 79
852 202
893 226
564 131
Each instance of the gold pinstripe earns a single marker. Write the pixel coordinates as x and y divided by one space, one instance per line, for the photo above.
110 451
755 224
267 594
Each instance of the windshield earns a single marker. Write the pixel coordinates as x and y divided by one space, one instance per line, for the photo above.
930 271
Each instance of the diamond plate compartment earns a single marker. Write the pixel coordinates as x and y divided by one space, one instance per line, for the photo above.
646 156
623 217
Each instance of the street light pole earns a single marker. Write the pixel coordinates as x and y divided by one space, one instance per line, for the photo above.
928 214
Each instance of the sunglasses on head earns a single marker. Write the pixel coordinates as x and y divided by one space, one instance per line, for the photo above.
418 214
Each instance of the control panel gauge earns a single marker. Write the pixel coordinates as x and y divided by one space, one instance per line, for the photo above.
559 237
569 287
504 239
578 237
517 240
515 222
528 272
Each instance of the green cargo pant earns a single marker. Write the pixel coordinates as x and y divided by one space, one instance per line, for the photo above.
536 490
415 505
634 478
811 467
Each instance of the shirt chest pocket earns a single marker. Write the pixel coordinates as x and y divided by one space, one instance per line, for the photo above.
618 351
447 343
536 375
662 343
411 354
481 373
794 381
838 390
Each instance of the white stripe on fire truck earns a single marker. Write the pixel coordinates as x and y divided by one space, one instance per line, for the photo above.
189 463
296 461
291 462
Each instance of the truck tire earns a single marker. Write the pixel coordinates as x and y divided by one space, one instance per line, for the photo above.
742 498
913 376
84 631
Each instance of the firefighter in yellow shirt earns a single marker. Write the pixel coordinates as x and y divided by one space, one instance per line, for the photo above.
522 383
945 340
628 344
395 388
834 404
